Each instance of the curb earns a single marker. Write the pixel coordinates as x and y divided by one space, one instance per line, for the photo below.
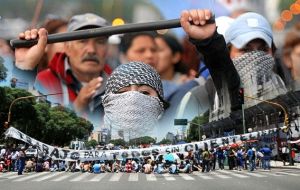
283 167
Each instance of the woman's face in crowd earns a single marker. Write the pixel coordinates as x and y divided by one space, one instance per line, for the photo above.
166 59
143 49
295 62
144 89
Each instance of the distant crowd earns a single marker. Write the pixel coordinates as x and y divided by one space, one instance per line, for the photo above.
237 158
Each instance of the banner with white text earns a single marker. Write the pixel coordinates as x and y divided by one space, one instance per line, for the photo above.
87 155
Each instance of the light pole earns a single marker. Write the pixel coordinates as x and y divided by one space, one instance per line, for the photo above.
199 128
6 124
244 124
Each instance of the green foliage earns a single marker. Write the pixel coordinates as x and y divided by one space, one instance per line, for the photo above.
118 142
51 125
22 112
142 140
285 4
91 144
195 127
3 70
165 141
63 126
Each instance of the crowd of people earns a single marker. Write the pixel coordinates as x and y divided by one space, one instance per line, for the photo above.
202 160
80 69
152 81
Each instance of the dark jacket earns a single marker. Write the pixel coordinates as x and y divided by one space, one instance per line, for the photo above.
220 66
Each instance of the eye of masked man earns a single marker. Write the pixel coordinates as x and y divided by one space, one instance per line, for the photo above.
79 73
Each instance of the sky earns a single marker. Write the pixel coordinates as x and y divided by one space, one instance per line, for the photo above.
178 5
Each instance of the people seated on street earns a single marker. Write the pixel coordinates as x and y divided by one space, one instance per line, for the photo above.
39 165
97 167
46 165
75 166
117 166
160 167
103 166
187 167
147 167
135 166
30 165
2 166
128 167
173 169
196 166
86 167
54 166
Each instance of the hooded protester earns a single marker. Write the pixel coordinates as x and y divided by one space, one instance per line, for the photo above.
250 41
133 100
256 72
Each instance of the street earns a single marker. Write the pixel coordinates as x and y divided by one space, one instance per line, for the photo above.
276 179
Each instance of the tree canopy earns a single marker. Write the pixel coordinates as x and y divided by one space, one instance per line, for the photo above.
195 127
142 140
118 142
165 141
3 70
91 143
52 125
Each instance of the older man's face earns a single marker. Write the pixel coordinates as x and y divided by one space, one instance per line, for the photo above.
87 56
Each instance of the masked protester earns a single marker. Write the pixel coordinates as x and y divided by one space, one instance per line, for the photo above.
133 100
255 69
249 40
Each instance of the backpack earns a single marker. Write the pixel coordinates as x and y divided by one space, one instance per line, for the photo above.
206 155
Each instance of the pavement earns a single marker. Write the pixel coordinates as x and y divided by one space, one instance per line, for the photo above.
274 179
279 164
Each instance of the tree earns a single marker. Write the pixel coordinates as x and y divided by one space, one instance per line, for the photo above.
118 142
22 112
91 144
195 127
3 70
142 140
285 4
165 141
63 126
52 125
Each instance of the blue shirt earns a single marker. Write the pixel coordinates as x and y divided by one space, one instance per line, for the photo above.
96 168
266 151
160 168
250 153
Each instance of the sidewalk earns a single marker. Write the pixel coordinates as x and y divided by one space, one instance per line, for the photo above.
279 164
